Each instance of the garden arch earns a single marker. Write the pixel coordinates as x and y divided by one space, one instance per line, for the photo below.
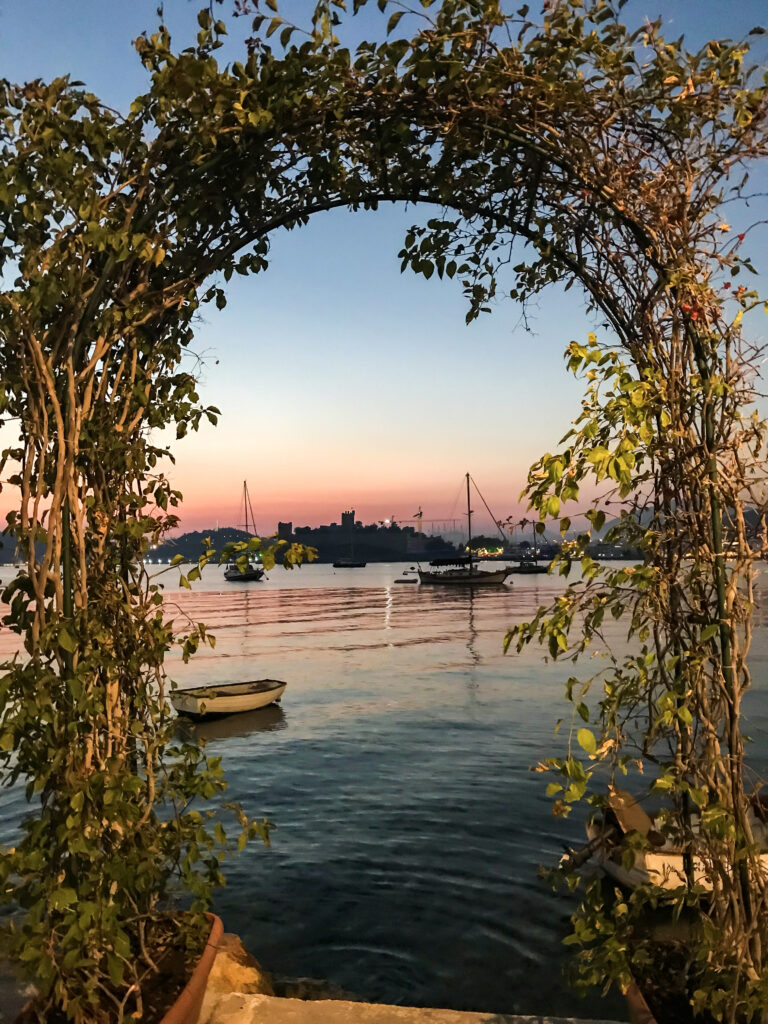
607 153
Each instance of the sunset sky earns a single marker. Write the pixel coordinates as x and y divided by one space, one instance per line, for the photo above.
343 384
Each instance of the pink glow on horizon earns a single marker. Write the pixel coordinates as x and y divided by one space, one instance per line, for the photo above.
203 510
212 490
209 499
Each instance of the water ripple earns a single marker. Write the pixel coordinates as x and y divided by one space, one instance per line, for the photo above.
410 829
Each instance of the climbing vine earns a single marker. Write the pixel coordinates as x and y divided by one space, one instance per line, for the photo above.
561 148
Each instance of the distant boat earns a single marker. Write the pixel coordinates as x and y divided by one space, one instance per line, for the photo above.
227 699
349 561
462 570
528 568
252 572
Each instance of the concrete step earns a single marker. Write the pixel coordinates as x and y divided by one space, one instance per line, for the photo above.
237 1008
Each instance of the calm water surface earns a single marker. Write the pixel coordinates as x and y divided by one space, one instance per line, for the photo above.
409 826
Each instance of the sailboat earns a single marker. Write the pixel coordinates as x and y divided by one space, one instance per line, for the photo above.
253 572
462 570
350 562
528 566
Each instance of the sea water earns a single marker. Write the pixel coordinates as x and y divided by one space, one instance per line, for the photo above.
404 867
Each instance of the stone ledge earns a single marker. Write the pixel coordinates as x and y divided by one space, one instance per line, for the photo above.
240 1008
240 991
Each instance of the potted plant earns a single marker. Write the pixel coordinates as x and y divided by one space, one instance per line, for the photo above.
108 278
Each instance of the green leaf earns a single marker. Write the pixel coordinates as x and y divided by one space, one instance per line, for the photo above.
575 791
664 784
67 641
116 969
394 19
596 518
62 898
698 796
587 741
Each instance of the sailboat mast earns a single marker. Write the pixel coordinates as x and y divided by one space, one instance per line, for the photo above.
469 526
247 508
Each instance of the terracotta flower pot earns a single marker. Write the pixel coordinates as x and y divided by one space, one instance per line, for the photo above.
639 1011
186 1009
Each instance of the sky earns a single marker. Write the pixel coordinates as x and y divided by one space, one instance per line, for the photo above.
342 383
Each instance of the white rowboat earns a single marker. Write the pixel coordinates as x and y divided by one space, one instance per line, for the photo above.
662 863
227 699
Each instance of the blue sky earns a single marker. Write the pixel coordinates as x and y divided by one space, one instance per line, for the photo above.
342 383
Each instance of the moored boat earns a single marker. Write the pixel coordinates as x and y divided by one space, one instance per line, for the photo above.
529 568
249 571
661 862
227 698
462 570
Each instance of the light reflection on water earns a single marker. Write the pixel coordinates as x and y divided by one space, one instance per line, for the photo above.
409 825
